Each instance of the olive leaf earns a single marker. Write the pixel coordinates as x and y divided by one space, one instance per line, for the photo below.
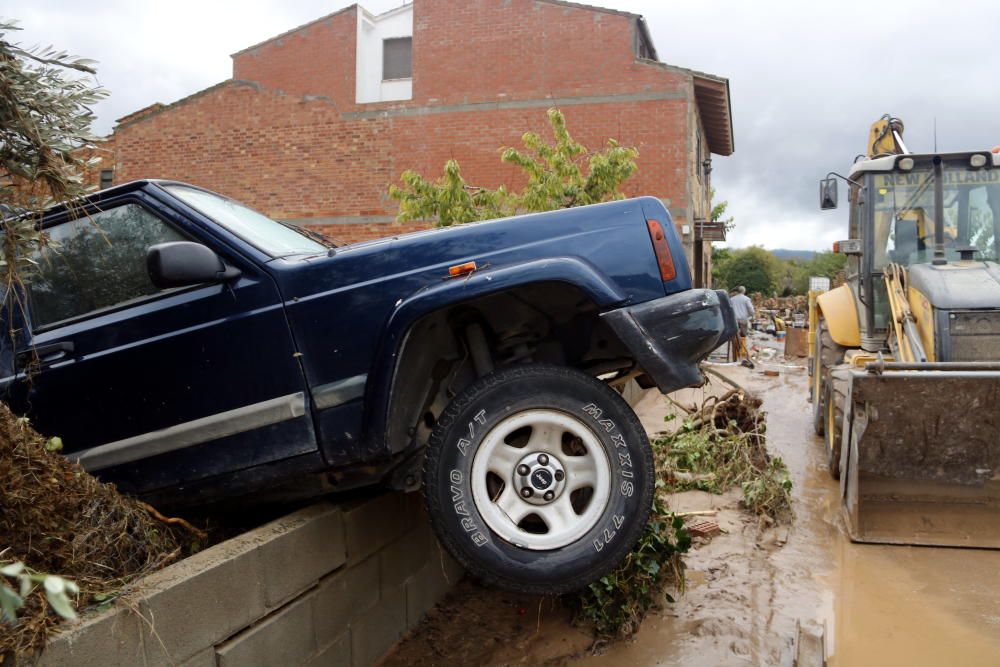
9 602
57 592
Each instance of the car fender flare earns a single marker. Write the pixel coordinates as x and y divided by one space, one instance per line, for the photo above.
840 311
571 270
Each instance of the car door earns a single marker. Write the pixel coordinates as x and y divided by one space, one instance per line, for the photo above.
153 388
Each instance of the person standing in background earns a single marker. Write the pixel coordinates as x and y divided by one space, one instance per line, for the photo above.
743 309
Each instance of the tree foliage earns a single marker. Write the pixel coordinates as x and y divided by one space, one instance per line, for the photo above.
761 271
823 264
719 212
755 268
45 116
561 174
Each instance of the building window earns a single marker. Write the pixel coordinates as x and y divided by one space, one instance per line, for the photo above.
397 58
107 177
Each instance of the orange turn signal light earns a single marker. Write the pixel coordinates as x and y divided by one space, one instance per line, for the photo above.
996 149
461 269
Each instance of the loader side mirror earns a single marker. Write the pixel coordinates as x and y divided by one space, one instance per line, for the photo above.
828 193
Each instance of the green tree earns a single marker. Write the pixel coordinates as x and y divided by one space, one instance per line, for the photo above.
827 264
559 175
45 117
755 268
719 212
720 256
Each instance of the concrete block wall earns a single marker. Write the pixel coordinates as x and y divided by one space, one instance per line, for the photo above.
327 585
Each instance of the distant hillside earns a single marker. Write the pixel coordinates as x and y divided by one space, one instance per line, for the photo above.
784 253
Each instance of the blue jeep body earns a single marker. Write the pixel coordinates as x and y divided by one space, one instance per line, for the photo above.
325 369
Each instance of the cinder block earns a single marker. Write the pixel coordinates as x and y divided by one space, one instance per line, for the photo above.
404 557
335 654
206 598
377 630
343 596
312 539
112 638
204 658
416 508
286 637
429 585
372 524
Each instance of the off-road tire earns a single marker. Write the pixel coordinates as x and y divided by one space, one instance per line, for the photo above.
828 354
834 400
492 401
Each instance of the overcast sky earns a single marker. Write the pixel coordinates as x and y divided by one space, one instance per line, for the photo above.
807 78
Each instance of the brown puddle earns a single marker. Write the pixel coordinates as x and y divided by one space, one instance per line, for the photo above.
880 605
748 589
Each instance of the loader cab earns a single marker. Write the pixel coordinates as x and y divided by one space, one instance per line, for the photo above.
893 209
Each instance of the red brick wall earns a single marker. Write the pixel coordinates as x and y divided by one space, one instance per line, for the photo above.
299 157
316 59
484 50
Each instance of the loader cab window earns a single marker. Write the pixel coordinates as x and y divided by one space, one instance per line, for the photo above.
903 223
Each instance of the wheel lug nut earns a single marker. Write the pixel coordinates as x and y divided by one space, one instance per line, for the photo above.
523 470
526 492
549 495
543 459
559 475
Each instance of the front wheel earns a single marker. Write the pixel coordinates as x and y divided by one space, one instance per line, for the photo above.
834 400
539 479
826 354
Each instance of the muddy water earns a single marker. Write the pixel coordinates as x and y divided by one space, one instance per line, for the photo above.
750 587
879 605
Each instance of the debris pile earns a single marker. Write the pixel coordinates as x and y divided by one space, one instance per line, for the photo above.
781 304
57 519
722 445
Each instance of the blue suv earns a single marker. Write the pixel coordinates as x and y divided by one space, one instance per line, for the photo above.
190 349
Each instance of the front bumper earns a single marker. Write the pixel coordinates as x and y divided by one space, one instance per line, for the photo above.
670 336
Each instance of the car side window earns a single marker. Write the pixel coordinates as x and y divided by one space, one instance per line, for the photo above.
94 262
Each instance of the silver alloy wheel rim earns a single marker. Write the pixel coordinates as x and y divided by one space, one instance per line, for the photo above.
509 508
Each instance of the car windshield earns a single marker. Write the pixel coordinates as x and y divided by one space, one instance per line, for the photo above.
904 214
277 239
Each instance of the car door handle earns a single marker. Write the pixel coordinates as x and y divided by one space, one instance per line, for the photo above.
45 352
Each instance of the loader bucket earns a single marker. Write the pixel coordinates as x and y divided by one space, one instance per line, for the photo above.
921 458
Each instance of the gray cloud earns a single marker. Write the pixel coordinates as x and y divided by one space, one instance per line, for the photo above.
807 78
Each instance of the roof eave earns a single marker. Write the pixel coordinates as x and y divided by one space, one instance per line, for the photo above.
715 108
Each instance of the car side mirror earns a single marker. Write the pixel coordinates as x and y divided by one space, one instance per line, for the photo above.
828 193
183 263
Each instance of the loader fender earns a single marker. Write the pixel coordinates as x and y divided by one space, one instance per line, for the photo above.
841 314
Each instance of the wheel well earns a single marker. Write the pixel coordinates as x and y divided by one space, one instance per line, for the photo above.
448 349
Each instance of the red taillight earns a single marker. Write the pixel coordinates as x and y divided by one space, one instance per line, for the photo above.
662 249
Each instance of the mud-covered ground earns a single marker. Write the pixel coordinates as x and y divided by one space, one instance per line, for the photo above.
750 588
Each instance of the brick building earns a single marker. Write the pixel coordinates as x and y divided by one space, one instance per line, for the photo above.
317 122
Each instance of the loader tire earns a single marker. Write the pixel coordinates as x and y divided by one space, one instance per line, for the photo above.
826 354
834 398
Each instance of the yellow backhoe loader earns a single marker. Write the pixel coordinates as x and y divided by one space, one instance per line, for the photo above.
905 357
